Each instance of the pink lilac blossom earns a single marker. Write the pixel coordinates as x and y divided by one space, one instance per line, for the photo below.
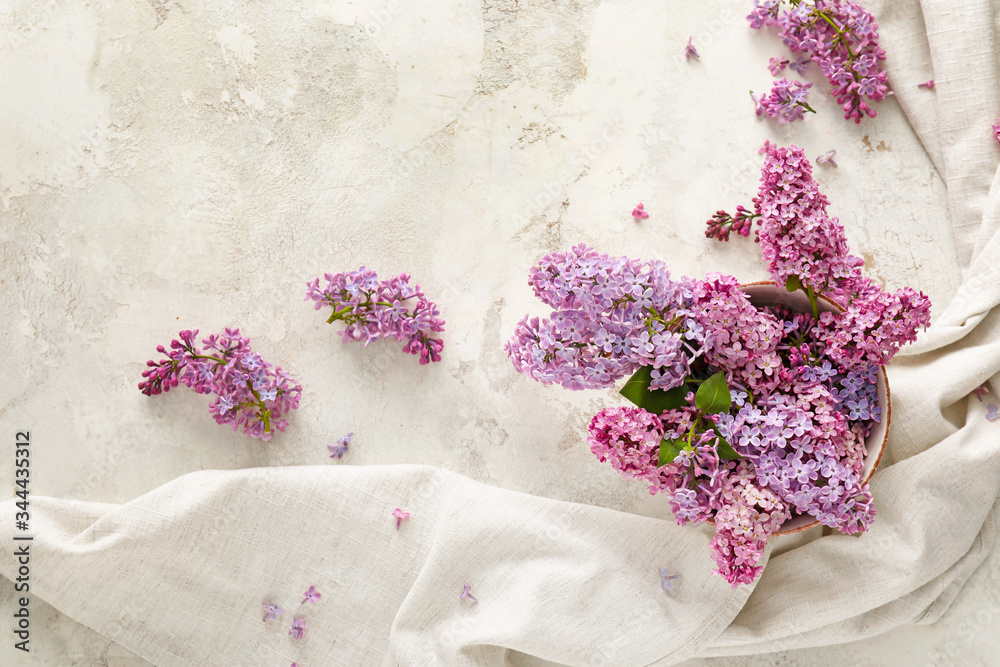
785 102
466 593
841 37
776 66
827 158
250 392
874 325
311 595
996 131
748 516
797 236
639 212
374 309
926 84
981 391
401 516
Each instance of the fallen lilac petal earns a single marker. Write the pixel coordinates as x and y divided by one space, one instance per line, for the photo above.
338 450
926 84
298 630
639 212
991 412
666 580
996 131
272 610
690 52
467 593
980 392
827 158
401 516
311 595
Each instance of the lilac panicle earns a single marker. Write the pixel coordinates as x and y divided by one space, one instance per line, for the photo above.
785 102
797 236
841 37
374 309
250 392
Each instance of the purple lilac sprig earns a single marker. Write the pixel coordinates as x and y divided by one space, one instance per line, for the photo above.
374 309
785 102
250 392
841 37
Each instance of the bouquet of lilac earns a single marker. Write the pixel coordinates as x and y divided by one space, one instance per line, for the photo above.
742 415
373 309
249 391
841 37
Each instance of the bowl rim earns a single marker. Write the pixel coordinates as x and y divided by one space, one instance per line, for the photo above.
887 419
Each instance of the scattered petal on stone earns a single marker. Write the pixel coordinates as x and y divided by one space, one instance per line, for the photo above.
467 593
666 580
639 212
689 50
338 450
827 158
401 516
311 595
272 611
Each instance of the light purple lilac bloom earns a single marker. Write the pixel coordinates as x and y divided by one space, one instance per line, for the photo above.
272 611
785 102
666 580
467 593
374 309
340 448
250 392
841 37
827 158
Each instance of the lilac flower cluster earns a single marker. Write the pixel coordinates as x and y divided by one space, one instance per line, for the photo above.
745 415
614 315
841 37
374 309
250 392
797 236
786 102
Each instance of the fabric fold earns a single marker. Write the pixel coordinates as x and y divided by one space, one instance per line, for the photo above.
179 575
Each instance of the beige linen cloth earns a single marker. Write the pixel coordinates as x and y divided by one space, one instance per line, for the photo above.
180 574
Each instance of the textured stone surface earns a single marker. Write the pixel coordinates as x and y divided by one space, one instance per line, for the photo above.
172 165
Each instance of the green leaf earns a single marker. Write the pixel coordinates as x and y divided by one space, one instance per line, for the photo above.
669 449
713 395
724 449
638 391
793 283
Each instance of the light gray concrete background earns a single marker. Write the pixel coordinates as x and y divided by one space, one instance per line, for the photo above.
169 165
